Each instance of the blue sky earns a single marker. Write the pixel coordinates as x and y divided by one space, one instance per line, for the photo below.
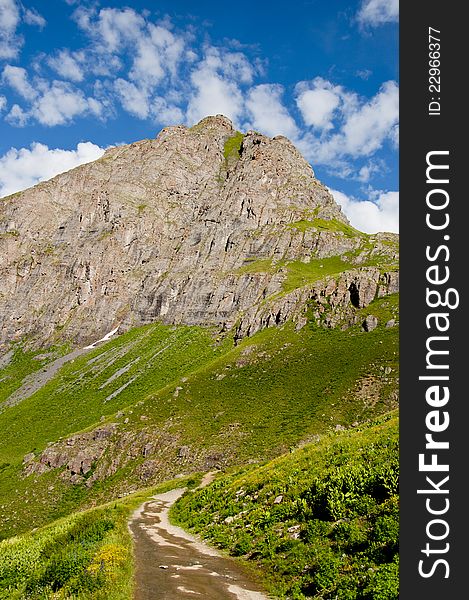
78 76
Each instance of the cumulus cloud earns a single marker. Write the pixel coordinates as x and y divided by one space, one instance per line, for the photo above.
360 130
378 12
267 113
23 168
61 103
12 13
17 78
166 112
17 116
32 17
156 51
379 214
67 65
110 28
10 43
318 103
147 67
215 88
366 129
51 103
133 100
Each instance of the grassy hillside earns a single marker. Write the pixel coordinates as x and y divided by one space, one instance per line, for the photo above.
318 522
104 381
234 404
321 522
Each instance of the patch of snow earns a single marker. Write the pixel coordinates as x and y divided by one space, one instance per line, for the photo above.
107 337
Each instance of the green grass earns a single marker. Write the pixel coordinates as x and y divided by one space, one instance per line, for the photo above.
247 402
384 309
86 555
281 386
82 392
320 523
232 147
24 363
327 225
301 273
257 265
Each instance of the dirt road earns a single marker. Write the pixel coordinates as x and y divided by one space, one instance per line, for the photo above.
173 565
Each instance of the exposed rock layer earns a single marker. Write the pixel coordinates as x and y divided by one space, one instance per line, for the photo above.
159 230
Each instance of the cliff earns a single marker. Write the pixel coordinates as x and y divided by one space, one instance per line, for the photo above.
201 226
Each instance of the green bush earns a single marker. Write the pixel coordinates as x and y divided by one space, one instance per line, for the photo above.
321 522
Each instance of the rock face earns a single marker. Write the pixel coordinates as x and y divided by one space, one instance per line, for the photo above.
161 230
151 455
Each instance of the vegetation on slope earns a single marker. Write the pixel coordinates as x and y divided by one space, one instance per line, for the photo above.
87 555
328 225
232 147
248 402
102 382
21 364
321 522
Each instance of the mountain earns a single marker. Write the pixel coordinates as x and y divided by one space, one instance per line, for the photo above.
188 303
199 226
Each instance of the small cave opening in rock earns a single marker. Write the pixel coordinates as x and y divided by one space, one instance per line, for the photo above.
354 295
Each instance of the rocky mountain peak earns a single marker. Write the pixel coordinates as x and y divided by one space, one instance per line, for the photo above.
190 227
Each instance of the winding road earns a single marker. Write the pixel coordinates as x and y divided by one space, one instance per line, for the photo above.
171 564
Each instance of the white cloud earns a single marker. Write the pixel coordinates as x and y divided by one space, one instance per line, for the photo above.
23 168
154 51
51 103
12 13
10 43
166 113
216 85
147 68
360 130
378 12
17 116
267 113
317 105
380 214
213 94
32 17
134 100
17 78
60 104
366 129
367 171
171 47
67 66
111 28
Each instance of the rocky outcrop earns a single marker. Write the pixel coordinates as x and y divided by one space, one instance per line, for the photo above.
331 302
151 454
160 230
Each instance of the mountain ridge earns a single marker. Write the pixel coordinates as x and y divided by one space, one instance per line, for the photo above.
183 304
167 229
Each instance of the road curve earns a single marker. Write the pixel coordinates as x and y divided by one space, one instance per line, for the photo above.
171 564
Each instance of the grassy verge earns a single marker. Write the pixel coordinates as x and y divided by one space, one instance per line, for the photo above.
321 522
87 555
